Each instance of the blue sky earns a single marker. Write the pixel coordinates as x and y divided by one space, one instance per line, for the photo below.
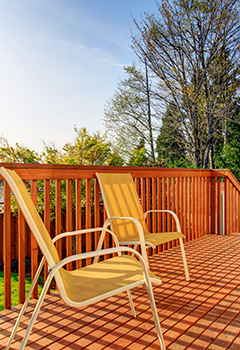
60 62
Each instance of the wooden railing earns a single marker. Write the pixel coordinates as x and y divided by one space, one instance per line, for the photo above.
206 201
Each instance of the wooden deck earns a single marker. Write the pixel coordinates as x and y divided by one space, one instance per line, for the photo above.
200 314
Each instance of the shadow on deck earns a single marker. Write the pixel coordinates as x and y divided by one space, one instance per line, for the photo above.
200 314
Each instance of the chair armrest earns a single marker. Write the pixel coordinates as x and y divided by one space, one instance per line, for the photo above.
169 212
73 233
98 253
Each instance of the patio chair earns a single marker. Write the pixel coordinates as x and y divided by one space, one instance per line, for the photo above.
86 285
126 217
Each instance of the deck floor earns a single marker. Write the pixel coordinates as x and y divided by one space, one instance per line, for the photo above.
200 314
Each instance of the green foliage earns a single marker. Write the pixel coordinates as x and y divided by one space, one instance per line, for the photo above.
229 156
138 157
84 150
171 145
15 289
192 50
17 153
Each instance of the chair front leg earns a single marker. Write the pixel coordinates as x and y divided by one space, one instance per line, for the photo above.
25 304
36 311
155 315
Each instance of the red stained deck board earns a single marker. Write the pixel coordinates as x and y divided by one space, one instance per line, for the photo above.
200 314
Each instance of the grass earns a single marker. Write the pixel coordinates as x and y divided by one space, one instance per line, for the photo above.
14 288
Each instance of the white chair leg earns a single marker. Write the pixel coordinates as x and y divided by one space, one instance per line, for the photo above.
155 316
25 304
184 259
144 255
131 303
35 313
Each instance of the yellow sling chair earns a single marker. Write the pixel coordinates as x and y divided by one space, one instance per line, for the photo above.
86 285
126 218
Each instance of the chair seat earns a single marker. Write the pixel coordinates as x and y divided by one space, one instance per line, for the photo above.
163 237
98 279
156 238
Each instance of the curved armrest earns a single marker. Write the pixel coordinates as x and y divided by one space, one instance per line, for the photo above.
98 253
97 229
169 212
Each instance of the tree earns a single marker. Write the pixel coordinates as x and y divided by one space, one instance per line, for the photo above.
130 115
90 150
170 144
84 150
17 153
193 48
228 157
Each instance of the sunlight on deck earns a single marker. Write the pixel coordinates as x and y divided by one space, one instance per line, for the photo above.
200 314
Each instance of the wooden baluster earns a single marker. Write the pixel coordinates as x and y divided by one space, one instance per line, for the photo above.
169 218
213 205
185 207
154 207
237 211
96 211
232 208
207 205
58 216
159 207
193 208
69 220
198 207
143 194
219 205
78 220
34 246
202 206
173 197
46 218
149 221
189 209
21 256
181 204
177 203
7 246
163 208
88 218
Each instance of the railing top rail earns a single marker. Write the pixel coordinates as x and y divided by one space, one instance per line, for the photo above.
61 171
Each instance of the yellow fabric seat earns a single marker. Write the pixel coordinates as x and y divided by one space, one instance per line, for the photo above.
86 285
156 239
104 277
126 217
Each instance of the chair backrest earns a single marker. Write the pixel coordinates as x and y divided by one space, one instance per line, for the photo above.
121 199
31 215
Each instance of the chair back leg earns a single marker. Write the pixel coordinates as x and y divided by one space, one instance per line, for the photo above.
131 303
184 259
